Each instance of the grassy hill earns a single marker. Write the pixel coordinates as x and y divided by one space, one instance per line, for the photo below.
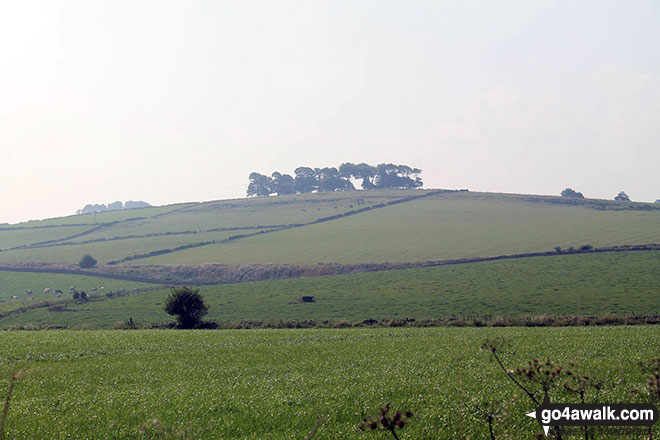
350 227
356 227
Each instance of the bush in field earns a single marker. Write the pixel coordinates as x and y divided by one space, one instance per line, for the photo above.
188 306
87 262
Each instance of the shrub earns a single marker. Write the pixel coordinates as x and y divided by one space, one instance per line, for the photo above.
188 306
87 262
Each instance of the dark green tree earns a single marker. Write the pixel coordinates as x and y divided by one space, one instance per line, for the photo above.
305 180
622 197
389 175
87 261
259 186
282 184
188 306
330 179
569 192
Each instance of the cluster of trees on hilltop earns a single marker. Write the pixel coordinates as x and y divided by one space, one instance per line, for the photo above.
90 208
307 180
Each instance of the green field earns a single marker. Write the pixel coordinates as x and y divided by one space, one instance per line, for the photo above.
110 250
16 283
22 237
276 384
435 227
102 217
619 283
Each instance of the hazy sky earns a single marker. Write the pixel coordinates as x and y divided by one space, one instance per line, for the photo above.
172 101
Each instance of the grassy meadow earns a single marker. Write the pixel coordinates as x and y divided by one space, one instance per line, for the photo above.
619 283
16 283
277 384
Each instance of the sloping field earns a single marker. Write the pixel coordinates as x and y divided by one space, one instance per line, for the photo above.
101 217
23 237
108 250
16 283
436 227
126 233
619 283
284 210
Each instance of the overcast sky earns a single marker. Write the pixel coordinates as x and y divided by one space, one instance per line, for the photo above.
173 101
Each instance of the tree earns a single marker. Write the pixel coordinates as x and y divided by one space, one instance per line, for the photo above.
330 179
87 262
260 185
281 184
389 175
305 180
115 205
622 197
188 306
569 192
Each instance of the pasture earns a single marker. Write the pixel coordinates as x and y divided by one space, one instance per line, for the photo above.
278 384
619 283
17 283
434 228
351 227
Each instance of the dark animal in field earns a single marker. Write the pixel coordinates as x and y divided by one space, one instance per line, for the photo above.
58 291
28 292
307 299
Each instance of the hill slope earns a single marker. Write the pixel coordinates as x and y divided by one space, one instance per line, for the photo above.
350 227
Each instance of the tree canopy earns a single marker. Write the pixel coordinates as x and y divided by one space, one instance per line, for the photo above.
188 306
569 192
622 197
309 180
87 262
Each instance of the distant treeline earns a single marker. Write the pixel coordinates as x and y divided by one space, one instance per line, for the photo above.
307 180
89 208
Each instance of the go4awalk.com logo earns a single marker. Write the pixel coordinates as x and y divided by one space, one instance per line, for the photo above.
630 416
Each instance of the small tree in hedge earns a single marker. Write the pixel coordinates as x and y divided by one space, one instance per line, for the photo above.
87 261
622 197
569 192
188 306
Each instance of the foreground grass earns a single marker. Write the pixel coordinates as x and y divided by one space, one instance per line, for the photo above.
275 384
620 283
